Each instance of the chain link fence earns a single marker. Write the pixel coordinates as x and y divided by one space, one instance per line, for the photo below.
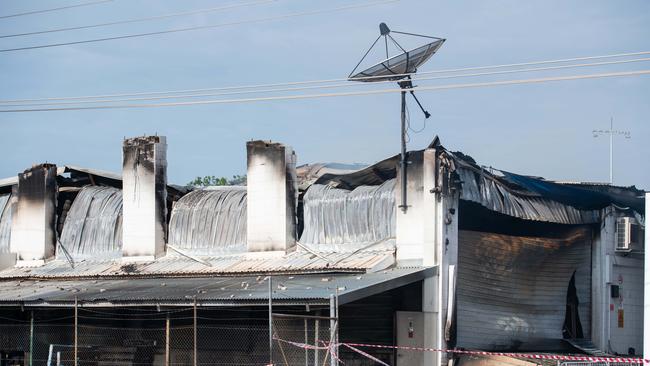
303 340
134 337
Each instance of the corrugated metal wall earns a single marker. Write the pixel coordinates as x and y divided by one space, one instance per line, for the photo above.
93 226
210 221
512 290
338 216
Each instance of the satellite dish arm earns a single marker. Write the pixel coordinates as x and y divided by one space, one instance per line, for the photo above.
416 35
364 56
426 113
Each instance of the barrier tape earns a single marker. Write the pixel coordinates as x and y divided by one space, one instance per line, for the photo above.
516 355
533 356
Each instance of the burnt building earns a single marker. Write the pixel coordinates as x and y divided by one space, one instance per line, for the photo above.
99 268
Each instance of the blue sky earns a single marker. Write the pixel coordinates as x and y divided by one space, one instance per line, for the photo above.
538 129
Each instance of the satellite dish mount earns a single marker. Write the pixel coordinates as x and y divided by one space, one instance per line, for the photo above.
399 68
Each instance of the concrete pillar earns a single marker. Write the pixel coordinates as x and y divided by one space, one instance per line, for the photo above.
427 234
646 282
144 190
272 197
33 238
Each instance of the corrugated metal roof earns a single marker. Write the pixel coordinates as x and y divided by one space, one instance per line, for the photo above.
312 288
487 191
296 262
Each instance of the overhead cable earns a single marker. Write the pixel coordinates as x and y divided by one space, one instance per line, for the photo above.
329 86
138 20
210 26
324 81
53 9
342 94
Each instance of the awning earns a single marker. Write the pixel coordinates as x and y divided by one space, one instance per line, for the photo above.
209 291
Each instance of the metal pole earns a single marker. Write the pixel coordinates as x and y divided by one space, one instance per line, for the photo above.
270 321
31 339
611 150
403 205
338 322
195 335
306 342
316 340
167 339
76 332
332 326
646 281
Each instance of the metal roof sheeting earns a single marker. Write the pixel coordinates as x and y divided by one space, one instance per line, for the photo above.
308 288
210 221
338 216
296 262
93 226
486 190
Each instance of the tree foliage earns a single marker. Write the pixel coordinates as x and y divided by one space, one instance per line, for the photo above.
212 180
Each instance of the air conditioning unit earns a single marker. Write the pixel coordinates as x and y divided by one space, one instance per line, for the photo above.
629 234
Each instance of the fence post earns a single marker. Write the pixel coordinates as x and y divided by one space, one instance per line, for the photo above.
270 321
195 335
332 330
167 339
31 338
76 335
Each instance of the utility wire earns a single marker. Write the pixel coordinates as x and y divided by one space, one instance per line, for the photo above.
53 9
138 20
330 86
177 30
342 94
324 81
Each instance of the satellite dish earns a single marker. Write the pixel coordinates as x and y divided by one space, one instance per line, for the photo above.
399 68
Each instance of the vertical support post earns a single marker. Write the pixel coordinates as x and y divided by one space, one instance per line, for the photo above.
646 281
611 150
58 358
76 331
403 205
306 342
167 339
316 339
338 324
195 335
332 327
31 339
270 320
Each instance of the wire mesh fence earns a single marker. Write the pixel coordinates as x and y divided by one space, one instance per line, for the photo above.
120 337
303 340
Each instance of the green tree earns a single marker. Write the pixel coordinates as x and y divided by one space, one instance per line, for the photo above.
211 180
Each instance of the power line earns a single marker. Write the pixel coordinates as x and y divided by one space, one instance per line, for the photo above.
356 93
54 9
262 91
324 81
137 20
177 30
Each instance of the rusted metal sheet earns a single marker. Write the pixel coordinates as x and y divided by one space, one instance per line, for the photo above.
296 262
512 290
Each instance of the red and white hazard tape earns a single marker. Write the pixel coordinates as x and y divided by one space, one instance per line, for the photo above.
353 346
516 355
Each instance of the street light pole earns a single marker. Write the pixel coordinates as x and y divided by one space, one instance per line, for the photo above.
611 132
